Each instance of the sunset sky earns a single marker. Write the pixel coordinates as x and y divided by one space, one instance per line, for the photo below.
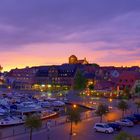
41 32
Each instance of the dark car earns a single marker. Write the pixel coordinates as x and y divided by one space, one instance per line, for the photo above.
132 118
137 116
115 126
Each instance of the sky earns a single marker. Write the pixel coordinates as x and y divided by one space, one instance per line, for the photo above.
47 32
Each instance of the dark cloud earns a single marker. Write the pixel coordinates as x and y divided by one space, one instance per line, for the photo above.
113 22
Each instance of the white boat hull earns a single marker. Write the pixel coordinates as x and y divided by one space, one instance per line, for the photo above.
17 122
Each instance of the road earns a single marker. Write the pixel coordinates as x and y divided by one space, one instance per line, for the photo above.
84 130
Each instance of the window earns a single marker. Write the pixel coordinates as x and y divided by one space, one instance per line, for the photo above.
99 125
106 126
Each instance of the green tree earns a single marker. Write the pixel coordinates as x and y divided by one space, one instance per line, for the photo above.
33 122
74 116
102 110
79 81
127 92
95 65
123 106
91 87
137 102
137 89
125 136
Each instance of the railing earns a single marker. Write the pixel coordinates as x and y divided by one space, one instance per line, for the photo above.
12 131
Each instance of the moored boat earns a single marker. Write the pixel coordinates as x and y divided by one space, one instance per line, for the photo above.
20 119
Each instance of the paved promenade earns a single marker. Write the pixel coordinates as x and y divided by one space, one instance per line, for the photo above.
60 131
83 130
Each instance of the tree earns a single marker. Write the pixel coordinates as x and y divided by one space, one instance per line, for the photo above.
137 89
137 102
123 106
95 65
33 122
91 87
102 110
74 117
79 81
125 136
127 92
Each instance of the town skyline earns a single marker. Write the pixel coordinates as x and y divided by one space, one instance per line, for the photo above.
65 62
47 32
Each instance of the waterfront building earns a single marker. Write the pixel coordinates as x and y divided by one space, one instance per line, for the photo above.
59 77
136 87
21 79
127 79
56 77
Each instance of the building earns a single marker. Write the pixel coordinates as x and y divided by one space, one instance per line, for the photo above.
56 77
74 60
21 79
127 79
136 87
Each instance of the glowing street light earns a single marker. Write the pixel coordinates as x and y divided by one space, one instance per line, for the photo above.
110 100
74 106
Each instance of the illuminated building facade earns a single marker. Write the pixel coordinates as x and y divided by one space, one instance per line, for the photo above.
74 60
59 77
127 79
21 78
56 77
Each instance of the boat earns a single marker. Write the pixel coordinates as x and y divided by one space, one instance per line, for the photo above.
2 110
30 105
47 114
58 104
45 104
11 121
20 119
14 108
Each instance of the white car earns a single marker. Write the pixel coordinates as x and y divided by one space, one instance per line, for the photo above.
125 122
102 127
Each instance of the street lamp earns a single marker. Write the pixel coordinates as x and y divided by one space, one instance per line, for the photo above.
74 106
110 100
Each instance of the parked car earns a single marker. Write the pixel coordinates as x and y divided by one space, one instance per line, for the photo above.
137 116
125 122
115 126
102 127
132 118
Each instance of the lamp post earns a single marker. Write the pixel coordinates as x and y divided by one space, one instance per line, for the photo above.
74 106
48 126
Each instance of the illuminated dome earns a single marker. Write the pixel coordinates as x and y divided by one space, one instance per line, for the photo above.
73 59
